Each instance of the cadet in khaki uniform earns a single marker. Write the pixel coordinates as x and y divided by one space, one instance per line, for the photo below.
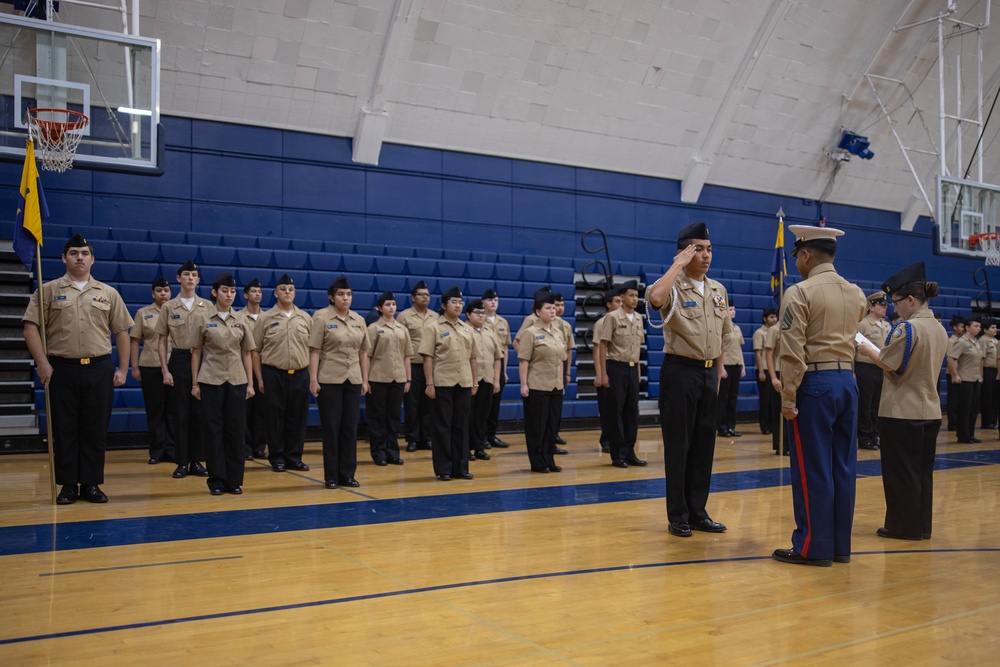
183 412
541 353
389 348
79 313
766 396
612 301
487 378
819 399
221 358
729 389
281 364
338 378
965 365
689 377
619 339
772 352
449 352
256 434
958 330
875 329
910 410
570 340
419 424
146 369
988 395
500 328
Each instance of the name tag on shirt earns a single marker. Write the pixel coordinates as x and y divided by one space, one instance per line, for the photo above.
175 317
445 334
211 325
689 304
275 324
331 326
149 316
60 297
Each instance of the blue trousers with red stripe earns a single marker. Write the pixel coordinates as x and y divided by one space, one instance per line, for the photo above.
823 443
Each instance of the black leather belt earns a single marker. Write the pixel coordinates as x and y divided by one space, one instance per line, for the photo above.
688 361
84 361
288 371
630 364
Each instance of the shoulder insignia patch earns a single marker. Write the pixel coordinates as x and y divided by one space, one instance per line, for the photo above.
786 320
897 333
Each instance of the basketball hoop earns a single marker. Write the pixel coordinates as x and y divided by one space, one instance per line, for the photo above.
58 135
990 243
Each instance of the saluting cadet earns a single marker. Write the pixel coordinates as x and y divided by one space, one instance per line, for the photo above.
500 328
612 301
988 400
256 434
541 353
417 405
695 311
772 352
281 364
389 348
910 410
338 378
221 346
487 378
767 398
183 411
146 369
965 365
819 398
729 389
79 314
449 352
620 337
958 330
875 329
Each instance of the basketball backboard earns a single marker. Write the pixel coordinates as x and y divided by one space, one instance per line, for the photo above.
965 208
112 78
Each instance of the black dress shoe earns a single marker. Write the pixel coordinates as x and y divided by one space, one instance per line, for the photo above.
411 446
351 482
297 465
635 461
330 484
465 475
723 431
426 445
733 433
381 463
867 444
926 536
180 472
482 455
497 442
765 431
882 532
235 490
92 493
555 468
559 451
605 449
248 457
153 460
560 441
68 495
620 464
444 478
708 526
396 462
197 469
534 469
842 559
216 490
789 556
278 467
260 453
679 528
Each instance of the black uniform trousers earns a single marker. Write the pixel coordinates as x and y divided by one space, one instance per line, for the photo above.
988 400
224 419
765 394
908 449
776 420
184 411
869 392
339 412
688 410
81 398
154 398
541 417
493 421
729 391
450 453
966 397
603 413
383 410
950 401
482 403
419 420
256 430
285 411
623 408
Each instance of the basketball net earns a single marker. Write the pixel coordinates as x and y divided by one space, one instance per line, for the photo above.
57 140
990 243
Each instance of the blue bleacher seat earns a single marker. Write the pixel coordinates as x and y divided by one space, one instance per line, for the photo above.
104 250
137 421
762 287
419 267
243 275
143 273
475 288
311 299
428 253
398 251
536 260
203 238
509 258
290 259
239 241
741 287
560 275
90 233
481 256
449 268
535 274
359 263
325 261
369 249
177 253
513 410
166 236
260 257
130 234
131 398
136 293
273 242
119 421
504 271
300 277
397 284
509 289
138 251
218 255
360 282
457 255
479 270
390 265
362 302
307 245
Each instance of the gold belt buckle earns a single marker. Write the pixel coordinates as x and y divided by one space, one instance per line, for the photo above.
709 362
631 364
84 361
291 371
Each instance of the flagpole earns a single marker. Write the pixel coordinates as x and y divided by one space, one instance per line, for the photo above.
45 351
781 294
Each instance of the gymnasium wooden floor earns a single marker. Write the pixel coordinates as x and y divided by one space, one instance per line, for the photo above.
510 569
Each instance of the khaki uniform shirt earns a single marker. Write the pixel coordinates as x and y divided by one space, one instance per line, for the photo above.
622 339
222 342
452 347
389 348
78 323
912 392
545 352
414 323
732 349
969 357
875 331
951 339
526 323
772 341
699 322
989 346
175 320
500 328
339 340
489 351
758 337
819 319
282 341
144 330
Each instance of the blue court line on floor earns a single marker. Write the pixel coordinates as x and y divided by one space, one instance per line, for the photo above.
437 588
133 567
47 537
